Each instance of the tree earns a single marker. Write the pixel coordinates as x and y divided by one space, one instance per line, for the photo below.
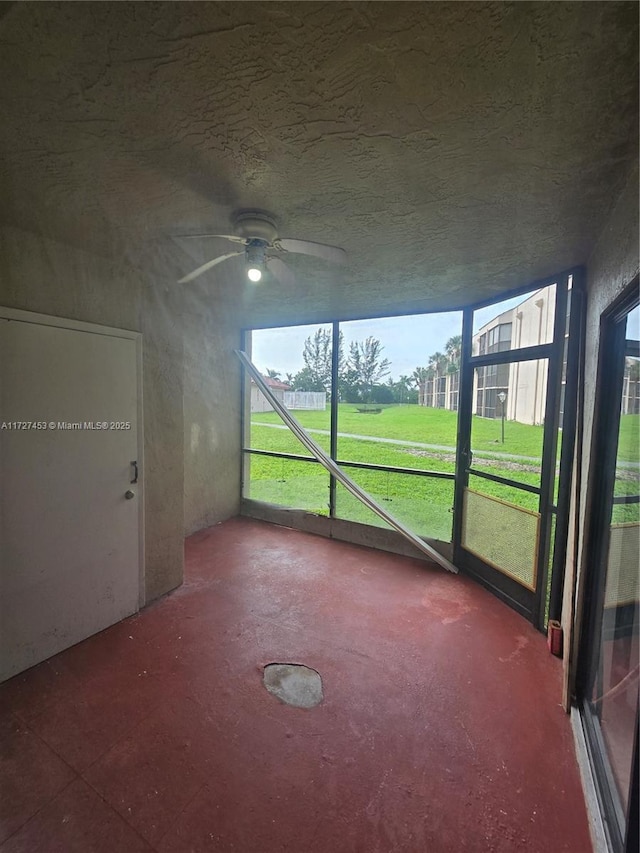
317 357
366 365
307 380
438 363
420 375
419 378
381 394
402 390
316 373
453 348
273 374
349 387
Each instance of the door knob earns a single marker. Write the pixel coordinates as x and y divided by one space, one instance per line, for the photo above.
129 494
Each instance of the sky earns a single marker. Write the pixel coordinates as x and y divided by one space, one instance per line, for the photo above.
408 341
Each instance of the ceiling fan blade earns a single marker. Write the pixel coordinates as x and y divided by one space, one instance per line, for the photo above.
281 271
208 266
231 237
333 254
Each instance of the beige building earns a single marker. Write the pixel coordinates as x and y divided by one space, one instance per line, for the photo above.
523 383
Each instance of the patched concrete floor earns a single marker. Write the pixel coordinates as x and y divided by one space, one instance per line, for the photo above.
440 730
294 684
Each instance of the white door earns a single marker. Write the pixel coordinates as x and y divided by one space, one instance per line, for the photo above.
69 533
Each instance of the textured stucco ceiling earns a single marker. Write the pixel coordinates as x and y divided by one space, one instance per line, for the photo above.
455 150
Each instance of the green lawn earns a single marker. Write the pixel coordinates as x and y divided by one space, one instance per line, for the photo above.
629 441
422 503
627 479
421 424
425 504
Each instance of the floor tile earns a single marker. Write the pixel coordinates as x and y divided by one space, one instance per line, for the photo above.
31 774
35 691
150 776
93 717
76 821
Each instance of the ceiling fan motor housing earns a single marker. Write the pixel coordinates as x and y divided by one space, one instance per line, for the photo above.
255 252
255 225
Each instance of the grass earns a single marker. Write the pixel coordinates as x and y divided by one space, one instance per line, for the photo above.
421 424
629 440
408 423
425 504
627 480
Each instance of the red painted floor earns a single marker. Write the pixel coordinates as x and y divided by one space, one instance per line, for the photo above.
441 727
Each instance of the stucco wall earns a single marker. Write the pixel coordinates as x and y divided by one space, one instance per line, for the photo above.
212 408
613 265
40 275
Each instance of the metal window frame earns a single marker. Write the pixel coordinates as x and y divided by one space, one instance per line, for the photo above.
550 447
532 605
340 475
463 466
603 458
366 466
335 370
505 481
576 307
626 499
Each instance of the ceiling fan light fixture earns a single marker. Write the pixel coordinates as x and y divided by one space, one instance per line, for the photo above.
255 254
256 230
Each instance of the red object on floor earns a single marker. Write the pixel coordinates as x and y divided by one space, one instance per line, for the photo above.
440 729
554 638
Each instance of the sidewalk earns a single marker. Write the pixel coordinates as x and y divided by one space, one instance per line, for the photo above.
491 454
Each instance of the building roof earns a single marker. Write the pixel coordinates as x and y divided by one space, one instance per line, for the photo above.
274 384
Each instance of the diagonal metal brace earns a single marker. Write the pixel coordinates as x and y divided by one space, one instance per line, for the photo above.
325 460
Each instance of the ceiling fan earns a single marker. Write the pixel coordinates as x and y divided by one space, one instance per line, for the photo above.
257 233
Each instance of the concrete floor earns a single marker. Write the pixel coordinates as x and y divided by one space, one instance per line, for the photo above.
440 728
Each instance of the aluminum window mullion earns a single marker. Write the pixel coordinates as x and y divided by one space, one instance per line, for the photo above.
505 481
365 466
418 472
512 356
333 429
275 454
626 499
549 446
463 436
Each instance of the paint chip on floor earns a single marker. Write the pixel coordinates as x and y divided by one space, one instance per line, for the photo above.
294 684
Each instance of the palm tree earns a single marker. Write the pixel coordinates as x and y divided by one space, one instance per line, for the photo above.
419 378
453 348
419 375
438 363
273 374
401 387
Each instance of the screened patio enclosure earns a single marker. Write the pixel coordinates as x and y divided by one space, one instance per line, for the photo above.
472 453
